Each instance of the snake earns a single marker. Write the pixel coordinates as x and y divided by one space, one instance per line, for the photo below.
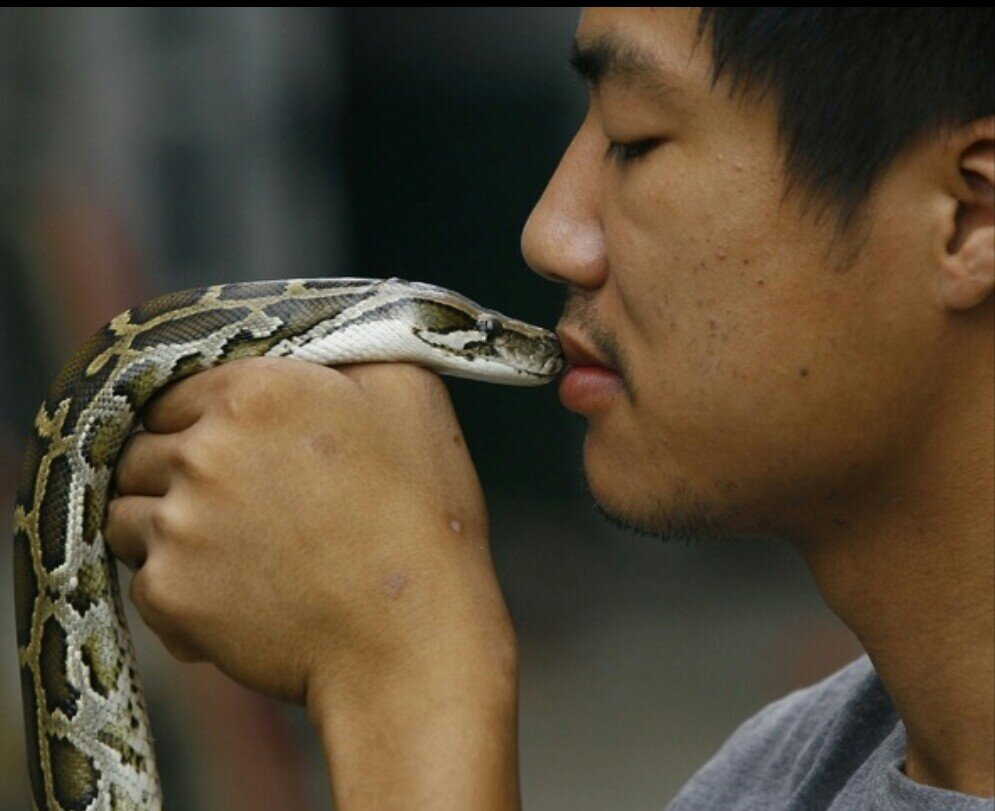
89 741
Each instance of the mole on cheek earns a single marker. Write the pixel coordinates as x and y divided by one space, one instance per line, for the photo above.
803 372
394 585
324 445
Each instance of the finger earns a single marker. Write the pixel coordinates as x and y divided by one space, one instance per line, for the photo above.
145 466
128 528
178 406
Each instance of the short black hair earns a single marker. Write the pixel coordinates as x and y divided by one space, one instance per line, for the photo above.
855 86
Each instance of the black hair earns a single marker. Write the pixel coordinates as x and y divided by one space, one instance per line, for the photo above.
855 86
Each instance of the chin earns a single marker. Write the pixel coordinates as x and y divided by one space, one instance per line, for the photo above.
676 514
675 511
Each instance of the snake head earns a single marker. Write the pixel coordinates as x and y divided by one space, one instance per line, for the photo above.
467 340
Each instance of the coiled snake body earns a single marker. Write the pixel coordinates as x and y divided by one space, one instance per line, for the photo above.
89 744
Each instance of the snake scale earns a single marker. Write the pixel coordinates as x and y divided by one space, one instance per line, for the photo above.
89 743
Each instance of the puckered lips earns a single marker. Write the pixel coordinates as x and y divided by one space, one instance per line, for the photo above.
590 383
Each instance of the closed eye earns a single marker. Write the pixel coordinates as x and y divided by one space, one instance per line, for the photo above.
628 152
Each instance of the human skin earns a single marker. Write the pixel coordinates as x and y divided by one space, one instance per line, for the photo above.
787 384
338 559
834 390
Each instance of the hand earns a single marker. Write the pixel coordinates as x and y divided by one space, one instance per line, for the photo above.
321 536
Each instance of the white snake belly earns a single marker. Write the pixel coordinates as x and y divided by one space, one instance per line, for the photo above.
89 743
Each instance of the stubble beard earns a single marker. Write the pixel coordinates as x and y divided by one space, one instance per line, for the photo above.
679 517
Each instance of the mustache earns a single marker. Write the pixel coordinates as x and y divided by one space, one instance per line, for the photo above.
580 313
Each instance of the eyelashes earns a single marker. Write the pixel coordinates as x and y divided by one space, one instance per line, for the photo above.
630 151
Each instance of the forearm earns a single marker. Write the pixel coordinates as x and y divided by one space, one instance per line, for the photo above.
434 735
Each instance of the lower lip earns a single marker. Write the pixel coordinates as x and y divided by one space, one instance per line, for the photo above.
589 388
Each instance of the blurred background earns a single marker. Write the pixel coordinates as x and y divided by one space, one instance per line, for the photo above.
147 150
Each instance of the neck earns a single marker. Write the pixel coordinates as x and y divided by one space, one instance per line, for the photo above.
913 576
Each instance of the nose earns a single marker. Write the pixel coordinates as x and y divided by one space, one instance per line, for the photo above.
563 239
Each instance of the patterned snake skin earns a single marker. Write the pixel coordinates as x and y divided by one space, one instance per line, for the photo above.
88 738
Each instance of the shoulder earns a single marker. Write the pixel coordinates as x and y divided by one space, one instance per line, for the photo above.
797 745
854 691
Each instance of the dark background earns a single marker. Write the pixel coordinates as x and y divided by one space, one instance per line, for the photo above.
147 150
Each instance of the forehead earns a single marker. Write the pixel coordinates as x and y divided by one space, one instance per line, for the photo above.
663 40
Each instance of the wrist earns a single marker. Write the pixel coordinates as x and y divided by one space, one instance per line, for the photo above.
436 731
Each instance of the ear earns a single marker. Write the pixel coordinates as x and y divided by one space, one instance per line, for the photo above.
967 272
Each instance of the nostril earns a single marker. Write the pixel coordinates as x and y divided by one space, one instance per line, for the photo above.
490 326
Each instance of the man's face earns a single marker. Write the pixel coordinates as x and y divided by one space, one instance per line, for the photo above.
770 372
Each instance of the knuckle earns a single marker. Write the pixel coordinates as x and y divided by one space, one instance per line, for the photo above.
165 522
189 460
176 523
156 600
254 392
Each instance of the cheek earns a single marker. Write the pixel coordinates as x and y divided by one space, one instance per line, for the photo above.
691 240
702 306
786 389
755 359
736 356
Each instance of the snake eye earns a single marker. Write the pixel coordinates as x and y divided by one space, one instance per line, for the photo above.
489 326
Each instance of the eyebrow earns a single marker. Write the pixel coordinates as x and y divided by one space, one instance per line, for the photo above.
610 58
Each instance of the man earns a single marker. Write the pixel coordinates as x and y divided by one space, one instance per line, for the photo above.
777 227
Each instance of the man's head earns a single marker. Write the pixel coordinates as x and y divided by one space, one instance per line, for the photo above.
777 224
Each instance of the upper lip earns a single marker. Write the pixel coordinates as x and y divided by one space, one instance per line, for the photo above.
576 352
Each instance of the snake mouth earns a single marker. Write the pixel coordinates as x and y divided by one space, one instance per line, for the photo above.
550 367
538 356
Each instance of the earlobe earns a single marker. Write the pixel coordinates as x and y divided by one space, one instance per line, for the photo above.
967 272
968 277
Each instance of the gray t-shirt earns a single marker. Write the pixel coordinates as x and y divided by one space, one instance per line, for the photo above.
836 746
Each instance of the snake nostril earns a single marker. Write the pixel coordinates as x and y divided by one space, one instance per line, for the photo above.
490 326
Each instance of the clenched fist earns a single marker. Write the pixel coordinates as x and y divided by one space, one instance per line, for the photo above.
322 537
